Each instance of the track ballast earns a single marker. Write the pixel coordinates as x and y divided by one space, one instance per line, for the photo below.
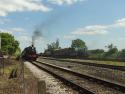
75 79
121 68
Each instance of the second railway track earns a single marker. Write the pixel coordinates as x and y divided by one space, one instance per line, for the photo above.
121 68
85 84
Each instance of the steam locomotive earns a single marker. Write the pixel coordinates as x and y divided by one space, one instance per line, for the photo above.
29 53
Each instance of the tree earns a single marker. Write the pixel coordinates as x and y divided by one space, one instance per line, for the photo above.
53 45
112 51
122 54
57 43
49 47
8 43
78 44
97 53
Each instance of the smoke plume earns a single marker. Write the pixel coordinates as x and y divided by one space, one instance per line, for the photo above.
44 28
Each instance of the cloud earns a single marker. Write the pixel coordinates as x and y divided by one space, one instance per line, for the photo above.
119 23
3 21
61 2
8 6
28 42
99 29
69 37
17 30
21 41
22 38
91 30
12 30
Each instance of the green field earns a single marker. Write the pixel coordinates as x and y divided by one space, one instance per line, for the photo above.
116 63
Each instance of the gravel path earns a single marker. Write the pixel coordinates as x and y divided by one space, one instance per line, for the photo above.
53 85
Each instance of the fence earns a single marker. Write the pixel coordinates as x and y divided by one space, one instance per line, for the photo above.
1 65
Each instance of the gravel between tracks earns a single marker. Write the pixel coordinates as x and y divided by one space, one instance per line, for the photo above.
110 74
53 85
93 86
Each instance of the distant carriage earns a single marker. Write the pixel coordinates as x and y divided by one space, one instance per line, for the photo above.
66 52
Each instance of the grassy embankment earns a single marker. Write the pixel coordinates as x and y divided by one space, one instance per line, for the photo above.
116 63
15 85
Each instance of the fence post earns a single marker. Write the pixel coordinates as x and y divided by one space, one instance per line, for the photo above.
1 65
41 87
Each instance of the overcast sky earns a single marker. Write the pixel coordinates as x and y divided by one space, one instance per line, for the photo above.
97 22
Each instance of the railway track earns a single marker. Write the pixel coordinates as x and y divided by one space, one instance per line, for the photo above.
85 84
121 68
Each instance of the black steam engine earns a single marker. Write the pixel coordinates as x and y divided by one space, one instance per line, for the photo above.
29 53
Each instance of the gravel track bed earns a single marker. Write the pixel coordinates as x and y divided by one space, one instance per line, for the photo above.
53 85
115 63
105 73
93 86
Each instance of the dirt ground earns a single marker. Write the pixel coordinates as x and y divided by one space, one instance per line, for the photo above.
19 83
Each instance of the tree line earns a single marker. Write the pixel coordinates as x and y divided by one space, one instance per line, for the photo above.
10 46
79 45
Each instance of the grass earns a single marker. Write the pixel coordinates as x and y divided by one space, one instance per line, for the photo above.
115 63
15 85
7 85
8 69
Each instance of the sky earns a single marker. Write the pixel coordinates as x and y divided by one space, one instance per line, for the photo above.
97 22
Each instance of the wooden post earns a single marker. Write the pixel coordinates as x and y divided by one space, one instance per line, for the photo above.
0 42
41 87
1 65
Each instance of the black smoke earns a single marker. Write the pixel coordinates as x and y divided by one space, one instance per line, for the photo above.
44 28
